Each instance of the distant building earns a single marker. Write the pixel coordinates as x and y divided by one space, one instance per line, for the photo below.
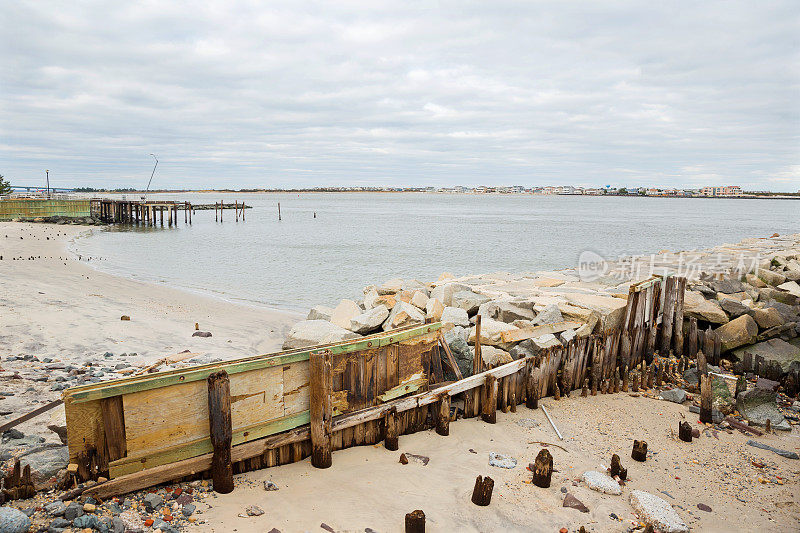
729 190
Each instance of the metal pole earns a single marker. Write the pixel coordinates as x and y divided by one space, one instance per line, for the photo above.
151 174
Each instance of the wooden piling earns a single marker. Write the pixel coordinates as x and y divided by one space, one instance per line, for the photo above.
532 392
415 522
705 399
489 413
391 440
320 408
543 469
219 413
668 316
443 418
279 211
680 292
639 452
482 492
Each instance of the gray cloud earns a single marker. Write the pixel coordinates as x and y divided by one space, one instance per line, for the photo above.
247 94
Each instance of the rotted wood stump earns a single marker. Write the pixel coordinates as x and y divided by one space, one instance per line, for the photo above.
219 414
19 485
685 431
391 442
543 469
482 492
705 399
639 452
415 522
443 418
585 389
532 395
489 413
321 409
615 466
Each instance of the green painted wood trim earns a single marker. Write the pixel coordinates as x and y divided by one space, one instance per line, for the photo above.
107 389
129 465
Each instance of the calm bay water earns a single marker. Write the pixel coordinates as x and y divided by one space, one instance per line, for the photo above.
362 238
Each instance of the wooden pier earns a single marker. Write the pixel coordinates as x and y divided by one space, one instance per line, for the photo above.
140 212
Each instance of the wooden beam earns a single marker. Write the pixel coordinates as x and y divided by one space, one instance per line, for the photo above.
450 359
27 416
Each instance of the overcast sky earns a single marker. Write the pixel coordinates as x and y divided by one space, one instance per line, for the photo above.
267 94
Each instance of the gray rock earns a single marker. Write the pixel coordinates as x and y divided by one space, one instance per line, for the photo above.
73 511
549 315
507 310
734 308
153 502
716 416
537 344
344 313
758 405
771 278
60 523
254 510
469 301
463 355
768 317
773 350
369 321
117 525
444 293
673 395
269 485
320 312
601 482
521 351
727 286
657 512
501 461
47 463
188 509
567 336
455 316
55 508
86 521
696 306
13 520
494 356
782 453
313 332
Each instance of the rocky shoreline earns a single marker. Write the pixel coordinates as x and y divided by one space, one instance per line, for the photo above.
754 309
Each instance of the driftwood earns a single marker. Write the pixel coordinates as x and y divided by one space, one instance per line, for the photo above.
27 416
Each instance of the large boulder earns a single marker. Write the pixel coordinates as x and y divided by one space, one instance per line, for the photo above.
46 464
403 314
768 317
734 308
391 287
320 312
738 332
456 316
771 278
727 286
370 295
13 520
434 309
695 305
550 315
657 512
538 344
456 338
369 321
494 356
444 293
419 299
469 301
490 331
313 332
507 310
611 309
773 350
791 287
757 405
346 311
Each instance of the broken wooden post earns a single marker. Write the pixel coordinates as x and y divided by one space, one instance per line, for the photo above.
685 431
634 381
705 399
532 394
625 378
219 414
639 452
482 492
415 522
279 211
542 469
443 420
615 465
391 442
320 408
692 338
616 380
489 413
585 389
702 364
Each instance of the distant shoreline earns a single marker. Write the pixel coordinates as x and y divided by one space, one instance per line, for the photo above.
776 196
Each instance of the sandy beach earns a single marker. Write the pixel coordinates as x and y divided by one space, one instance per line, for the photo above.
56 306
